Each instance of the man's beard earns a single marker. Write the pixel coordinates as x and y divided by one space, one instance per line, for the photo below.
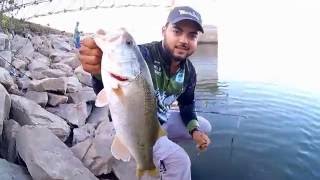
170 53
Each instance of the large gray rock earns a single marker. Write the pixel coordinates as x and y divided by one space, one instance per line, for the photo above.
73 84
98 115
40 98
22 46
37 42
4 42
35 65
37 75
85 94
23 83
10 130
19 64
6 58
27 112
61 44
95 152
55 99
5 52
72 61
47 157
49 84
41 44
5 104
39 62
6 79
57 56
63 67
83 76
82 133
10 171
48 73
55 73
75 114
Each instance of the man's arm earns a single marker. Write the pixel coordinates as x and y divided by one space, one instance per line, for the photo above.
187 111
97 83
187 103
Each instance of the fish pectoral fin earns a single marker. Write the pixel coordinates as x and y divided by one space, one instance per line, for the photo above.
119 150
102 99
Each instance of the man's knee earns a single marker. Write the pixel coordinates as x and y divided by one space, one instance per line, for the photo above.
183 158
176 166
204 124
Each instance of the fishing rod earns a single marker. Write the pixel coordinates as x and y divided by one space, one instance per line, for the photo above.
2 58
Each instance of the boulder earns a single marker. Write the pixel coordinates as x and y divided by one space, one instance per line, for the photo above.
5 104
10 171
27 112
75 114
49 84
10 130
47 157
40 98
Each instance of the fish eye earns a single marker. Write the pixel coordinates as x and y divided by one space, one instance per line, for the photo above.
129 42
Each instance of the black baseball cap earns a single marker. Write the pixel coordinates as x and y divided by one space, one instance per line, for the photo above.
180 13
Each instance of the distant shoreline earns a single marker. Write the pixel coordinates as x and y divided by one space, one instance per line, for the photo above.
20 27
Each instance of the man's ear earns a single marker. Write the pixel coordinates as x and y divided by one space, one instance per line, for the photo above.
164 28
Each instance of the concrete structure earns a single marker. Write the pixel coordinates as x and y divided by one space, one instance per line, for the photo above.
210 34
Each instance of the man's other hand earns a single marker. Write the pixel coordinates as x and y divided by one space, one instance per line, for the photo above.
202 140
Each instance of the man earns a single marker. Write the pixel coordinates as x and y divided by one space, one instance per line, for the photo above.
174 79
76 36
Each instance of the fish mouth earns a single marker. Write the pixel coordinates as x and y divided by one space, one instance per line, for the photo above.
118 77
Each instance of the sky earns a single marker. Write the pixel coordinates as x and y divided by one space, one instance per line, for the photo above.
137 20
275 41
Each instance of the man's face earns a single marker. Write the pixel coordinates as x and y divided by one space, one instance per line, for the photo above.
180 39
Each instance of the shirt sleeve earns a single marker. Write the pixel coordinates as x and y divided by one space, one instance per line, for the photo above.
97 83
187 103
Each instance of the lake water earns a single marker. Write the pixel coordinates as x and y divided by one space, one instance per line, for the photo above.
261 131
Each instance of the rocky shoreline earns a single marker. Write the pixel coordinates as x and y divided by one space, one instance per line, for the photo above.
49 126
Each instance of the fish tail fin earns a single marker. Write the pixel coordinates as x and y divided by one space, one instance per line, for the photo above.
151 172
161 132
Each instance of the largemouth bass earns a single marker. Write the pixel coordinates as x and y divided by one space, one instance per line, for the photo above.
129 93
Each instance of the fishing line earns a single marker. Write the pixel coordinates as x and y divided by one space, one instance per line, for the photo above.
224 114
233 137
2 58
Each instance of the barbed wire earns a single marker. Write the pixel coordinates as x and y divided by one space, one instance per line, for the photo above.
82 8
16 7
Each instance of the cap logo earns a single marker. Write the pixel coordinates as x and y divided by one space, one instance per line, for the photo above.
193 14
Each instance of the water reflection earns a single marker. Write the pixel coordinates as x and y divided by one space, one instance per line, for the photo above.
260 130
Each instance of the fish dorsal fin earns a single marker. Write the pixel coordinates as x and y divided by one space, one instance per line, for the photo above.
102 99
119 150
